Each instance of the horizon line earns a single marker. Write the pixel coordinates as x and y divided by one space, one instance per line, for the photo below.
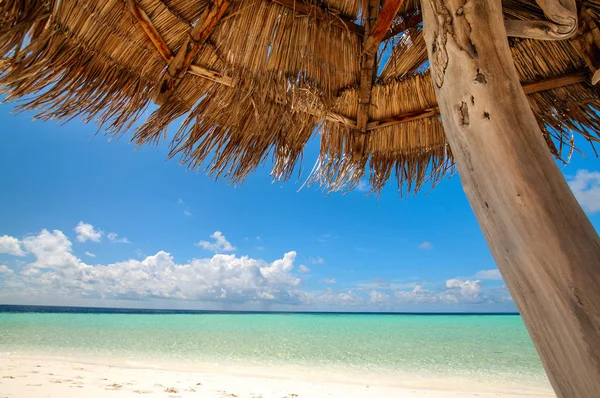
24 308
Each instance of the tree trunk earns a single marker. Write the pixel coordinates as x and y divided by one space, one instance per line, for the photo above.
545 247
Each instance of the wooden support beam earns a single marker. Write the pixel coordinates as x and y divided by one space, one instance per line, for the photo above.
544 245
321 13
587 42
144 21
555 82
146 24
367 67
399 119
381 27
406 24
189 51
211 75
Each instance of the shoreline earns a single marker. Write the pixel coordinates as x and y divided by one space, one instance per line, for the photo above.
27 376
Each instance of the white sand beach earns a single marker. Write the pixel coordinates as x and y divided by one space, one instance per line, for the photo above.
35 377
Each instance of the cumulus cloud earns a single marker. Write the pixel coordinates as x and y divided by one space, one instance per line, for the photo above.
586 188
219 244
56 270
187 213
378 297
90 254
492 274
87 232
10 245
469 290
304 269
426 246
317 260
418 295
113 237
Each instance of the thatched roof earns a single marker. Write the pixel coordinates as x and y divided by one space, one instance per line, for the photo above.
263 76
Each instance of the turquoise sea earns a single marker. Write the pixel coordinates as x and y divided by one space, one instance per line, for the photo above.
473 347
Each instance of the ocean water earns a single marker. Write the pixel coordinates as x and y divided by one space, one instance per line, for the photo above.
471 347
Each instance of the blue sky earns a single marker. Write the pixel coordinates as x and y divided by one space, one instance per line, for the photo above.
185 241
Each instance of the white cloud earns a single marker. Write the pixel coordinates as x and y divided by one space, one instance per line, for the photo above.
304 269
492 274
342 299
114 238
57 271
220 243
187 213
52 250
363 186
456 291
418 295
467 289
90 254
87 232
378 297
379 283
10 245
4 270
586 188
426 246
318 260
179 201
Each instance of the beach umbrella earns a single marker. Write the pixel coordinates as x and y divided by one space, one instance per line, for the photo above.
396 89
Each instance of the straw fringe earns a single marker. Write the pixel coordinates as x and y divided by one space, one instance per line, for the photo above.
17 19
415 152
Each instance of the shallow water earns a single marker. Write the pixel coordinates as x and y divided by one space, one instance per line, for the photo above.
473 347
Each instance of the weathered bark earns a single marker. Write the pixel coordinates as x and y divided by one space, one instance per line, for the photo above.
545 247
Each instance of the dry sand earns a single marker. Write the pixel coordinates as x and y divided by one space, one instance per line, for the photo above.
44 377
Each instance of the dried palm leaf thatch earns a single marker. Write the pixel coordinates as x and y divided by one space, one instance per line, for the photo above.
18 18
271 74
407 56
401 148
236 128
561 111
